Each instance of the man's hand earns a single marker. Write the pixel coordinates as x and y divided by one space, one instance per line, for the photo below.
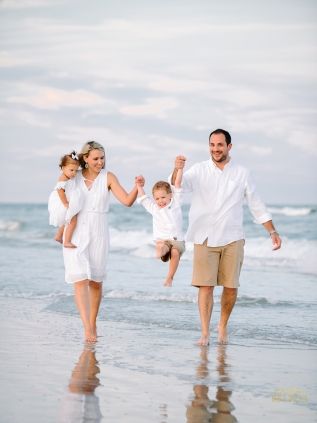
180 162
276 241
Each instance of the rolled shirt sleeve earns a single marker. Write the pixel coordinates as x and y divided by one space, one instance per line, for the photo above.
256 205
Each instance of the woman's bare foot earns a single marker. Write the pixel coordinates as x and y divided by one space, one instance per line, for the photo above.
203 341
222 335
58 239
168 281
69 245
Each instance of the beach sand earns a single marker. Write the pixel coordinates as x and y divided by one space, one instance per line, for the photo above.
49 375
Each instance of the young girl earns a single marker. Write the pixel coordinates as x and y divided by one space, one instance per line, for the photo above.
58 202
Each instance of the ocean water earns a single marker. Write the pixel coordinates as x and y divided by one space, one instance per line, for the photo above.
277 300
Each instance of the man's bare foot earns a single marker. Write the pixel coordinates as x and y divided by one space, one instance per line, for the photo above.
58 239
203 341
69 245
94 331
90 336
168 281
222 335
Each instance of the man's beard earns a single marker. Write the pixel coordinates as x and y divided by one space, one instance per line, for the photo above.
222 158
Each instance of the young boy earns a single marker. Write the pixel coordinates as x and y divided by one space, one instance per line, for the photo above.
165 207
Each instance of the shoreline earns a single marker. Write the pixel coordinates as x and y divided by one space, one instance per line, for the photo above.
127 376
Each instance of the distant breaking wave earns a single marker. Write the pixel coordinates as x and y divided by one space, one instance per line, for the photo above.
10 225
292 211
243 301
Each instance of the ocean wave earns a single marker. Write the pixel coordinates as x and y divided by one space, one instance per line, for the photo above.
243 301
298 255
295 254
4 293
144 296
10 225
246 301
292 211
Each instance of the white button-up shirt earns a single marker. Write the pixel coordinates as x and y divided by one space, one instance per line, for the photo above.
216 210
167 221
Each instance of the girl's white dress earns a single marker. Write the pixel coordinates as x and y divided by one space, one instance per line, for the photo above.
58 213
57 210
91 235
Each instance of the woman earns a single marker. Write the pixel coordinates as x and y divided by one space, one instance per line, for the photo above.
85 266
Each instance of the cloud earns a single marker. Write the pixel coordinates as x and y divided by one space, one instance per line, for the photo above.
304 139
33 119
26 4
255 149
157 107
169 84
45 97
9 60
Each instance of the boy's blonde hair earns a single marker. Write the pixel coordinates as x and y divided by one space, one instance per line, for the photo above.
162 185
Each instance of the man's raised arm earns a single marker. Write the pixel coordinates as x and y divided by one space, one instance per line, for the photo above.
179 164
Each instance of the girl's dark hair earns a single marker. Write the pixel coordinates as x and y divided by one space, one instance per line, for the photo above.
70 158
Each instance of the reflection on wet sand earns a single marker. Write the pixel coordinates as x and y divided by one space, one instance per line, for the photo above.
81 403
203 409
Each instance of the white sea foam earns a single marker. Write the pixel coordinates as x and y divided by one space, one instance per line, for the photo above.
291 211
129 240
10 225
145 296
297 254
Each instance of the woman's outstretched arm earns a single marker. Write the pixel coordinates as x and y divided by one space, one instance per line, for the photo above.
120 193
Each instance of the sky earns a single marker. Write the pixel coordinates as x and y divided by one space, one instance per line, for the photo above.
150 80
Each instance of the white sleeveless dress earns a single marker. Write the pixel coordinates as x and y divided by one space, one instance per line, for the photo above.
56 209
91 236
58 213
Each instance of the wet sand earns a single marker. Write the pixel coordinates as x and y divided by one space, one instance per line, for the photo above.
48 374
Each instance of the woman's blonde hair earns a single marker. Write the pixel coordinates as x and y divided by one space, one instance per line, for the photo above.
86 149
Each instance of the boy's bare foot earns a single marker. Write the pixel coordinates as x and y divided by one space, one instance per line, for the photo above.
168 281
69 245
222 335
58 239
203 341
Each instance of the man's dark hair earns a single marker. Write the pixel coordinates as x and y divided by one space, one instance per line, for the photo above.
223 132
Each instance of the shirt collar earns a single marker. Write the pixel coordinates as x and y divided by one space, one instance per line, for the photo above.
227 165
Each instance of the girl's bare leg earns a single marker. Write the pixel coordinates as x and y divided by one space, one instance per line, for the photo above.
83 305
95 296
59 234
175 256
69 233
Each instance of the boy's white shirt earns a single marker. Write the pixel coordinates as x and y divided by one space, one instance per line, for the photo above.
167 221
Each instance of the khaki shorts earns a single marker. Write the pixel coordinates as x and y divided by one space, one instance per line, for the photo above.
179 245
218 265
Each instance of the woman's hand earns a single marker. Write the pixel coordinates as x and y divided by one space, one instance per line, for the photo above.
139 181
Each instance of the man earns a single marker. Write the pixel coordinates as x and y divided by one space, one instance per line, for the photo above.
219 187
